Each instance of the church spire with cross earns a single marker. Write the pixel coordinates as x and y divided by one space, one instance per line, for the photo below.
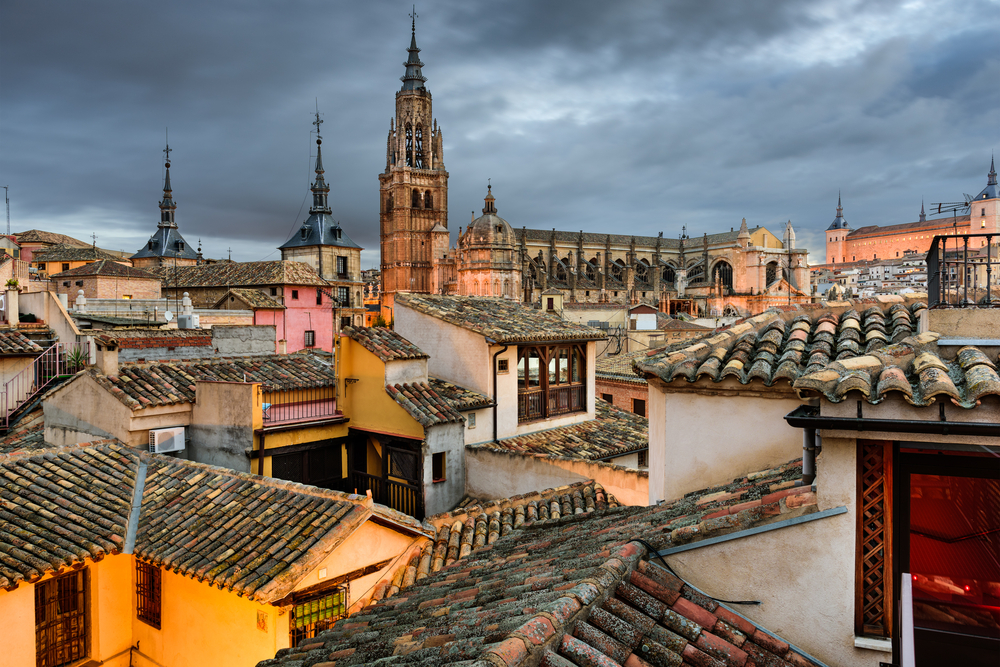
320 189
414 78
167 205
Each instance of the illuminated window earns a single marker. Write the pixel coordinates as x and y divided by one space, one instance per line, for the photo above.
312 614
61 619
147 593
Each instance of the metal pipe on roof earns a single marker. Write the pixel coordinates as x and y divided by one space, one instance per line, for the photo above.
808 455
495 401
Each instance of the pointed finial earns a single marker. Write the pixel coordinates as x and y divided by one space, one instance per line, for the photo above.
993 173
413 20
168 149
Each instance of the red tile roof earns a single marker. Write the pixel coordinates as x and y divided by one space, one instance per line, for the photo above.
239 274
14 343
72 253
461 399
424 404
384 343
577 590
103 267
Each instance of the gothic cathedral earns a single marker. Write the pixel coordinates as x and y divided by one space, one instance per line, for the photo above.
413 191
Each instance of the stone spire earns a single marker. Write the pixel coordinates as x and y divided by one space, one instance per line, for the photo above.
413 79
167 205
744 236
789 236
320 189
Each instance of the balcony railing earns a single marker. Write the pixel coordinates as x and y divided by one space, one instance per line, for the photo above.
537 403
58 361
963 271
405 498
283 406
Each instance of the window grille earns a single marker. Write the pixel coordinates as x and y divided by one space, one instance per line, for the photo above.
61 619
310 339
644 459
147 591
311 615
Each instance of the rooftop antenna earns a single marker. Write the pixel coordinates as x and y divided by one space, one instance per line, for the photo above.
94 236
7 200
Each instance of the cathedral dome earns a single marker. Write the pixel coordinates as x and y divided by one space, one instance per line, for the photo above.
489 228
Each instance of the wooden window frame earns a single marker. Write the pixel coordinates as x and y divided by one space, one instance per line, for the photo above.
873 578
635 404
439 467
550 398
62 619
309 339
148 587
325 617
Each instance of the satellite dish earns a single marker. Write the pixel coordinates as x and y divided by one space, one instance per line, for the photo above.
167 315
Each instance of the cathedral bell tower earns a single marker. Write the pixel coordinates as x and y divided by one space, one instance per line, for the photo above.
413 191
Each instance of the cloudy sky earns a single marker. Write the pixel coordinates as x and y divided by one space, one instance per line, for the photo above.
627 117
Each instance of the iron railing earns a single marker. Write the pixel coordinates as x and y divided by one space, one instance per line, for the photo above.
405 498
284 405
960 271
58 361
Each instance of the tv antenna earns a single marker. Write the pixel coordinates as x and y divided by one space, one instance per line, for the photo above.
7 200
953 206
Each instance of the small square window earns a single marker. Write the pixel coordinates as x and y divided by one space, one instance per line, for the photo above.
310 340
274 291
295 294
639 406
609 398
438 467
65 266
644 459
503 366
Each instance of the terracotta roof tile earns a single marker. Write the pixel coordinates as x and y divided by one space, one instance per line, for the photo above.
140 386
778 346
239 274
502 320
102 267
40 236
569 591
61 506
30 438
461 399
384 343
15 343
72 253
619 366
612 433
254 298
424 404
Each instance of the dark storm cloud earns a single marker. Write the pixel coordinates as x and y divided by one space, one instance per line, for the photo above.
628 116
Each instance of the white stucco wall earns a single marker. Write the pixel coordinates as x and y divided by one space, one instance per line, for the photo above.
457 355
482 431
698 440
803 575
444 496
405 371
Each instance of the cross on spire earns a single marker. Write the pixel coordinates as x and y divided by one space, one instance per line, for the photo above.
318 121
168 149
413 20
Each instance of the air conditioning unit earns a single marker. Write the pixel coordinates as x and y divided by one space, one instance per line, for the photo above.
163 440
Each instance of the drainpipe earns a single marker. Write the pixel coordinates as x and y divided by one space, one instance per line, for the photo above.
808 456
495 402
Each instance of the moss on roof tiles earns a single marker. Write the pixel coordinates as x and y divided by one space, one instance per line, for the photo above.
239 274
424 404
384 343
499 319
461 399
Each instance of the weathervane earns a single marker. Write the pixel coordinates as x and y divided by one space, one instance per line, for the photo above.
318 121
167 150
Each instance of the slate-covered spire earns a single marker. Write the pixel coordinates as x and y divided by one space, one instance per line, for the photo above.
320 189
993 174
923 216
839 222
413 79
167 205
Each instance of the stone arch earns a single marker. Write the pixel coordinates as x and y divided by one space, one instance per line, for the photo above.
560 272
506 288
668 274
772 273
730 311
418 147
722 272
642 270
696 273
496 288
475 288
590 270
415 198
428 200
618 270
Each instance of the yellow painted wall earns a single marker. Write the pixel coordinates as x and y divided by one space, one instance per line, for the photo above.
764 238
298 436
17 609
202 625
366 401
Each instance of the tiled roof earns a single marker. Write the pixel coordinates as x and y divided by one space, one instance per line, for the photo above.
692 244
138 338
102 267
612 434
619 366
39 236
781 346
667 323
59 507
502 320
237 531
141 386
424 404
15 343
253 535
72 253
572 591
25 438
239 274
914 369
254 298
926 226
384 343
461 399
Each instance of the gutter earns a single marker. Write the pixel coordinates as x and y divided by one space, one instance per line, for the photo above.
808 417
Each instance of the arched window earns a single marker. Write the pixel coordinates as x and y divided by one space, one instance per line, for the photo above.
418 148
428 202
723 273
534 274
669 275
696 274
506 288
560 272
590 268
771 273
642 271
409 145
496 288
388 204
618 270
475 287
415 198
